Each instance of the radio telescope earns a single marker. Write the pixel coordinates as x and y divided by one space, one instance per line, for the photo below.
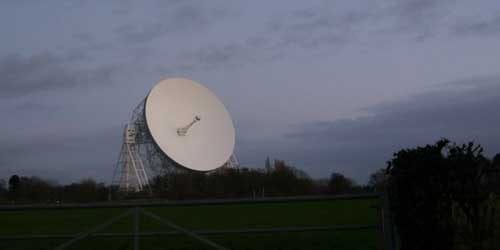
180 125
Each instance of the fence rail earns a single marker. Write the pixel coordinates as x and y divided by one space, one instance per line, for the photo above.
135 208
163 203
200 232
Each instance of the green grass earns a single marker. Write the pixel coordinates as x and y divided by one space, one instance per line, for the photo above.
207 217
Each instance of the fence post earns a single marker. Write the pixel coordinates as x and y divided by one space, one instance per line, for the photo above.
380 225
388 228
136 228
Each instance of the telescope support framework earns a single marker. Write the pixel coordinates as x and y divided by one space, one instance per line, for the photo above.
131 169
139 156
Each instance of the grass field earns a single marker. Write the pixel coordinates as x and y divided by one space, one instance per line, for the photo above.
206 217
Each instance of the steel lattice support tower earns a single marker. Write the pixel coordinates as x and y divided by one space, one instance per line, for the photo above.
142 157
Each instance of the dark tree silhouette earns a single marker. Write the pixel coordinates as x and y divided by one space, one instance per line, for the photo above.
495 176
339 184
378 180
282 180
3 190
438 195
418 199
472 195
14 182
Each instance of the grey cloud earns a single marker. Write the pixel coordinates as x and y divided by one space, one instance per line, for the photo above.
359 146
84 37
490 26
306 29
122 7
232 54
324 26
172 17
20 76
421 13
319 28
31 105
220 55
66 156
312 28
215 56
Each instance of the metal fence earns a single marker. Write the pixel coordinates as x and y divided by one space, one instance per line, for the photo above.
134 209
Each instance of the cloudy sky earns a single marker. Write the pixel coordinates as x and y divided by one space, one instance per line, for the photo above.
326 85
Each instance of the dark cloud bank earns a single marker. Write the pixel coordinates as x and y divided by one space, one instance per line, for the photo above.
462 111
22 75
64 157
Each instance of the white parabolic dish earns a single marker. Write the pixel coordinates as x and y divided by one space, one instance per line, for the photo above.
175 103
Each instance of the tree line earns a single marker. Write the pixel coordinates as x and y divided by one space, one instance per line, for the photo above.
275 179
24 189
279 179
